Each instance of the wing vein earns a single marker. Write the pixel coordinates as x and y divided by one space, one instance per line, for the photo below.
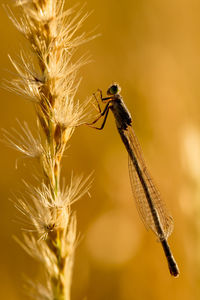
144 210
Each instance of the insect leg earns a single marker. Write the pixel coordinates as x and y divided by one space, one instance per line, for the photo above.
98 105
104 120
106 98
101 115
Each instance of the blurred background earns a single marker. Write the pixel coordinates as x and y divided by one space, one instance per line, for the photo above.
152 49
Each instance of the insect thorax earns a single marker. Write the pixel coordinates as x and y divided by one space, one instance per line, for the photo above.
122 116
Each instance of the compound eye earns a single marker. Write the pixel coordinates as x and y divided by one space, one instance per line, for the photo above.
114 89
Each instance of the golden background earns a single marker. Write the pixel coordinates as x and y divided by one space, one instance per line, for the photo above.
152 49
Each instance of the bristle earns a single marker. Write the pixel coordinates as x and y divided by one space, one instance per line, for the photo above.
47 75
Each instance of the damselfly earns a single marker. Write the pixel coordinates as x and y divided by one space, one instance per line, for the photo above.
151 208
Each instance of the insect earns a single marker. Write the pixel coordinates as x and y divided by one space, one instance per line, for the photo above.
150 206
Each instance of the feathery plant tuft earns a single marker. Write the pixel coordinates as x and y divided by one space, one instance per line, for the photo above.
47 76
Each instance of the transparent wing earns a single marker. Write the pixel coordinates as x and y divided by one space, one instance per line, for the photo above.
165 219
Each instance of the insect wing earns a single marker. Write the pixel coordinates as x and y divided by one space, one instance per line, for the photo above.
165 219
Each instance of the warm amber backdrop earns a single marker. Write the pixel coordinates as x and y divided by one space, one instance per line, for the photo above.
152 48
